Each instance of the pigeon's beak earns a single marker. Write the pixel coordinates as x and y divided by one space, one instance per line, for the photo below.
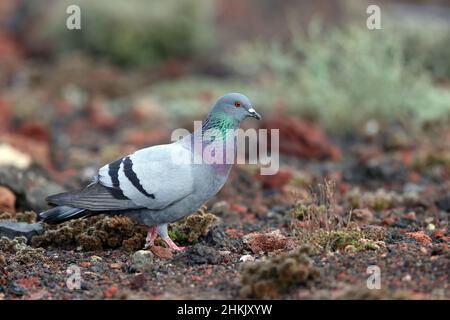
254 114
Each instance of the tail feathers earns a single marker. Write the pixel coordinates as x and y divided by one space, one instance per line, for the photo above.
62 213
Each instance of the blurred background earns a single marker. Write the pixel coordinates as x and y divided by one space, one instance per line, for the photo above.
73 99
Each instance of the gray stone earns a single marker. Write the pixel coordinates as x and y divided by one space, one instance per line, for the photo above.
443 203
200 254
31 186
220 207
12 229
140 261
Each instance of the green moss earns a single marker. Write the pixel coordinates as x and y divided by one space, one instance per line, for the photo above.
178 236
339 240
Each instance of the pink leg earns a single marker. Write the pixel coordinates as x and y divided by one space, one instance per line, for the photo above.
172 244
151 236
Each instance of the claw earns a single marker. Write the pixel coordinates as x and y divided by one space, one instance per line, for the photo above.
151 236
172 244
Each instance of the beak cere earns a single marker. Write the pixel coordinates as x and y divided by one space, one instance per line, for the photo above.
254 114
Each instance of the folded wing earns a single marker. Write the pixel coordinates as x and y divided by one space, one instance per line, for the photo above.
151 178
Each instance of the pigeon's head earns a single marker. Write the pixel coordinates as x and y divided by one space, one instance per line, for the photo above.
235 105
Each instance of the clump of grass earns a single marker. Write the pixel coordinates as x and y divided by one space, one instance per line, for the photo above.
319 210
132 33
318 223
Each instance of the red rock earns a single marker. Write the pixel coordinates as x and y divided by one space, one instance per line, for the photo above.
407 157
35 130
116 266
414 177
11 52
29 282
7 200
164 253
420 237
302 139
411 215
85 264
388 221
233 233
266 242
344 187
238 208
196 278
138 281
441 235
276 181
111 291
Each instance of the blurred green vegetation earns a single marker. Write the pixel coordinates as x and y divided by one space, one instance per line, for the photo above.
340 76
429 47
135 32
345 76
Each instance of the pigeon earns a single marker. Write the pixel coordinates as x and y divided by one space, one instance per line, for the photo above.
160 184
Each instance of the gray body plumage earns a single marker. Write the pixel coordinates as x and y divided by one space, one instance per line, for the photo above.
156 185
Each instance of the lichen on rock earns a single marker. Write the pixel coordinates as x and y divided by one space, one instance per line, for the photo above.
20 252
26 216
95 233
191 228
269 278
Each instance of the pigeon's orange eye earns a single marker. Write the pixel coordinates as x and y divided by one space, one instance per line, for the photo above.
237 104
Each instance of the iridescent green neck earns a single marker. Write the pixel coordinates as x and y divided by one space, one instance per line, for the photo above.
221 122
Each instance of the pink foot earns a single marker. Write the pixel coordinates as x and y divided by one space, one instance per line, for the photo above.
151 236
172 244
